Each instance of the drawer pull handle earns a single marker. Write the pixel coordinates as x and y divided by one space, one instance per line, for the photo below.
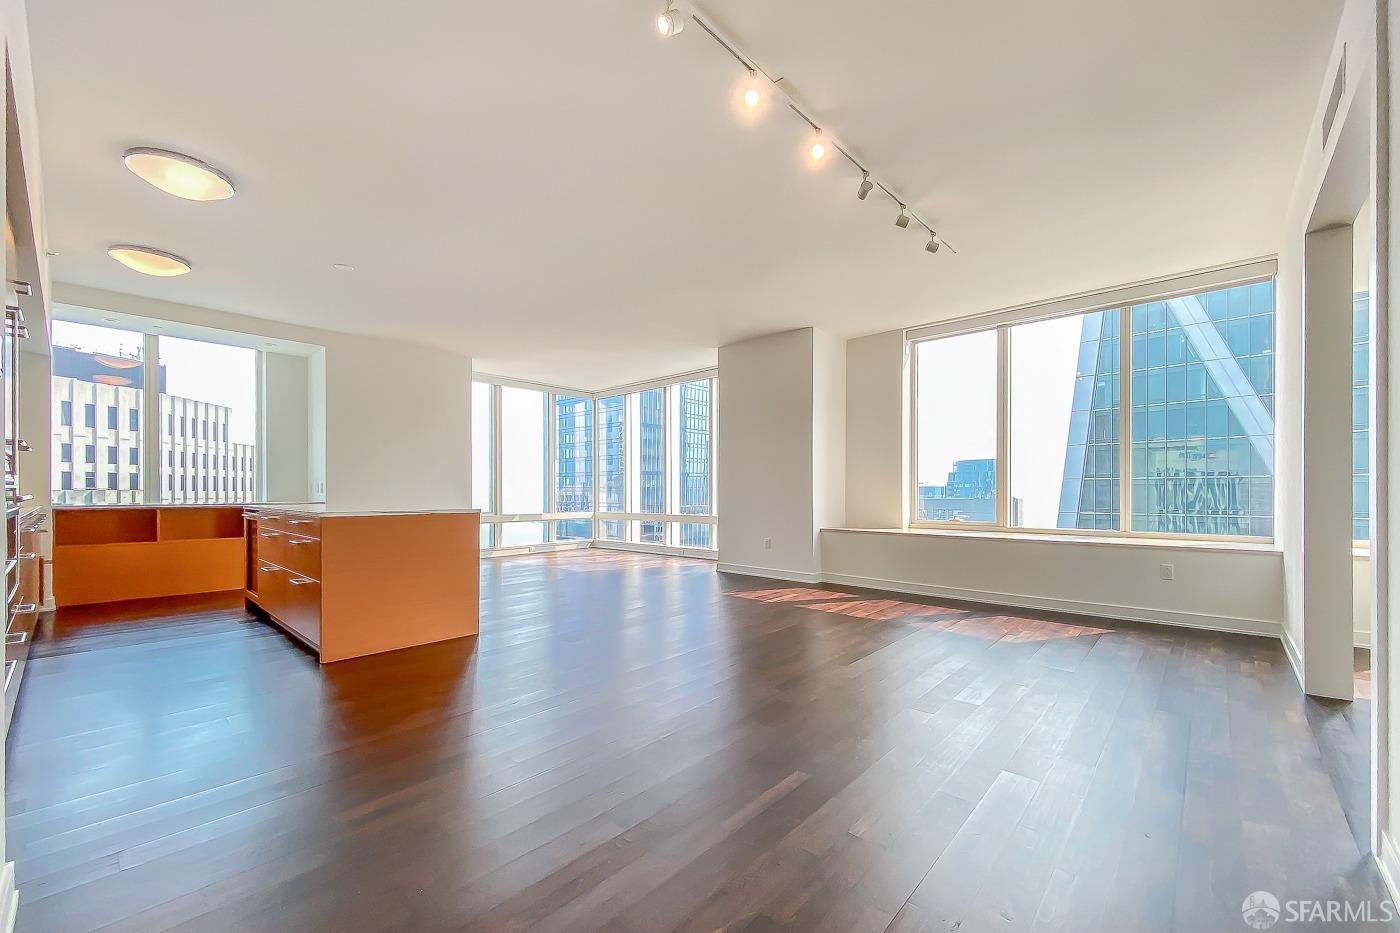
15 638
299 521
300 581
267 569
298 540
269 534
19 608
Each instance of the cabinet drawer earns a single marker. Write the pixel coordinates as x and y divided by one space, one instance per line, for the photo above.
307 526
302 614
271 544
301 555
272 589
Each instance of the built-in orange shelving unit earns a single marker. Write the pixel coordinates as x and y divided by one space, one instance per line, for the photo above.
109 554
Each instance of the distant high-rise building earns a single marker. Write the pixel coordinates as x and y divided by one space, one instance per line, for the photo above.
98 429
1202 417
573 464
969 495
695 441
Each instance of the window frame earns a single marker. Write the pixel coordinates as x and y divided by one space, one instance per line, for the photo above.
150 465
552 515
1121 300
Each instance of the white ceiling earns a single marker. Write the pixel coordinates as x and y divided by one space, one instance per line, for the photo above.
558 192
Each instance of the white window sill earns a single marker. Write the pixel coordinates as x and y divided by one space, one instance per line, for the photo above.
1172 544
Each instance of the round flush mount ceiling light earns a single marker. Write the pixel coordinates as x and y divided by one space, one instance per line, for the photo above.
149 261
178 174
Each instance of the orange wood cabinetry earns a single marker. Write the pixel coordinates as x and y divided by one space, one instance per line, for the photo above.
353 585
106 554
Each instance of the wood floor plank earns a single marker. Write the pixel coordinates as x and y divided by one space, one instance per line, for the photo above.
638 743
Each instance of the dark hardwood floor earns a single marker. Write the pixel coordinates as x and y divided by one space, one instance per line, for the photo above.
639 743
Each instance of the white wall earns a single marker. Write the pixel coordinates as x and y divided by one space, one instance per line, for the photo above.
397 415
765 488
35 375
1355 32
1231 590
286 440
828 434
877 417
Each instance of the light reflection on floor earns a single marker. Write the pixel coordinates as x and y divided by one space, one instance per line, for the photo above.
963 621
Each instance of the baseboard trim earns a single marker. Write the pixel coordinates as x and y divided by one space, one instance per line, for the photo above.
9 898
1361 638
1295 657
1240 626
665 549
1388 863
747 571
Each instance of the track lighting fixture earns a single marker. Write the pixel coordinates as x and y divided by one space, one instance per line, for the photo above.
759 88
670 22
752 96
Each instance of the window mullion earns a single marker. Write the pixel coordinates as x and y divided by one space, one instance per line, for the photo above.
1125 418
150 411
1003 468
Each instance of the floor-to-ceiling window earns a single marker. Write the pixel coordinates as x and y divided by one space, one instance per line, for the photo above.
612 465
635 466
657 458
573 465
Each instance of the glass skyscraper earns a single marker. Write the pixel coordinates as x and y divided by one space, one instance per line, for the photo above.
1202 417
651 439
573 464
694 492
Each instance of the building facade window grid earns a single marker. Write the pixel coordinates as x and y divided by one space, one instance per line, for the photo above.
95 380
1201 390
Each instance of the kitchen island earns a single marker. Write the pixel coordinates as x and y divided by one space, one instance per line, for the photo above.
347 584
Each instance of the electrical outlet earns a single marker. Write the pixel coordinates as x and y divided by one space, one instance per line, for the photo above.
1168 571
768 544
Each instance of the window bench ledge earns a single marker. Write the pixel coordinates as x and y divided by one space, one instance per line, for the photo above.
1170 544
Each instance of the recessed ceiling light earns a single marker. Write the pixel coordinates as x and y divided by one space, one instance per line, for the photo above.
149 261
181 175
342 267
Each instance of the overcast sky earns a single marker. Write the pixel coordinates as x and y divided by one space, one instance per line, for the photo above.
957 409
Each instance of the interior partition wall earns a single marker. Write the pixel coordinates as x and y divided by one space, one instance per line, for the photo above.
632 467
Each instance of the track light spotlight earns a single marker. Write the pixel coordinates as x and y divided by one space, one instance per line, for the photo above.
752 97
818 149
933 243
670 22
866 186
902 220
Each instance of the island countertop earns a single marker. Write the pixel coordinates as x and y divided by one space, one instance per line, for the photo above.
304 508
